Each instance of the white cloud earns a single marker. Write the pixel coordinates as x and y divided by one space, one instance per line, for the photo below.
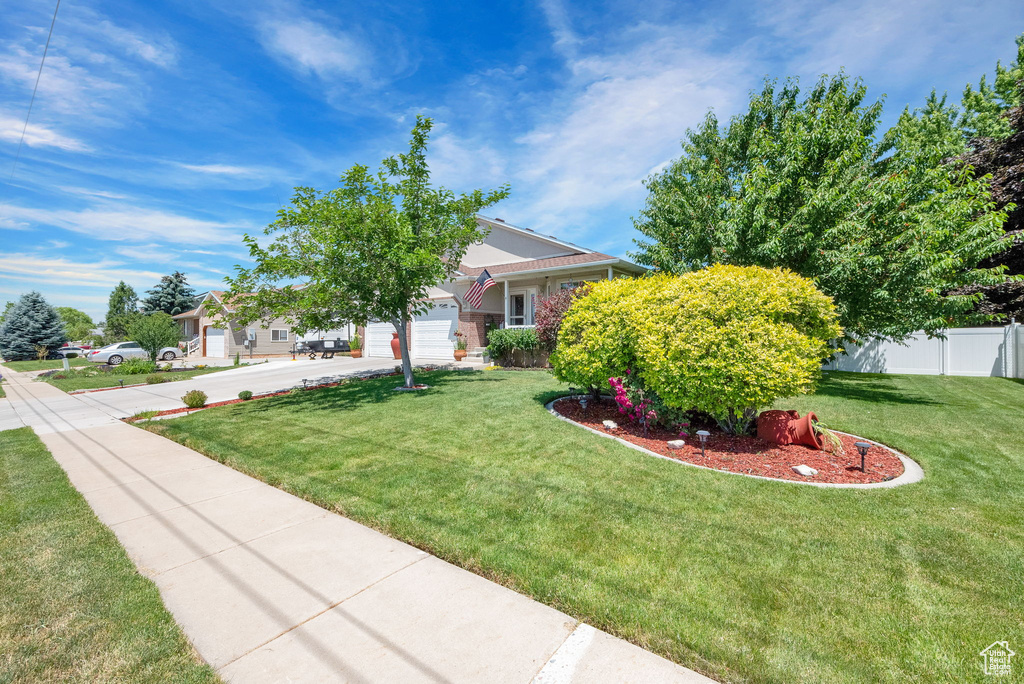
312 48
892 42
566 41
70 91
159 50
8 223
61 271
37 135
87 192
461 164
621 117
126 223
222 169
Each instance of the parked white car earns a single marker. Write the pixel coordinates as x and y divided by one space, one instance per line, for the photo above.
115 354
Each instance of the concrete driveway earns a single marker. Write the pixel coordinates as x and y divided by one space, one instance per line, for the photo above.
278 374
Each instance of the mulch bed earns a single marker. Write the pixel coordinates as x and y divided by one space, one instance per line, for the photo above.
742 454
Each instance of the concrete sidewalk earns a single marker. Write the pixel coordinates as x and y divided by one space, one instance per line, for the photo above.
271 588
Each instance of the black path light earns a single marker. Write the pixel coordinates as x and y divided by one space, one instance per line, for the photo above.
862 447
122 383
703 435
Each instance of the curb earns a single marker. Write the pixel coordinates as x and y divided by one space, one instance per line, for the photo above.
912 472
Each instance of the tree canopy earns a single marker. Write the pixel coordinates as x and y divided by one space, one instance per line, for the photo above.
878 221
993 121
155 331
77 324
368 250
122 311
32 324
172 295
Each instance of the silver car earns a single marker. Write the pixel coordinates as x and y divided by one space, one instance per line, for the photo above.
115 354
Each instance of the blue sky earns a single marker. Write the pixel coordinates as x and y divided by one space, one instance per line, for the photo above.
164 131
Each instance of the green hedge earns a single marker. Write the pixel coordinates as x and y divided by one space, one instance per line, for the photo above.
503 343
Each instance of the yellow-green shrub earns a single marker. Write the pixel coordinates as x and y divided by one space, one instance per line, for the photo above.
598 336
726 340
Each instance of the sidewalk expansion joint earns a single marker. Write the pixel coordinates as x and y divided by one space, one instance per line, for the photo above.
327 609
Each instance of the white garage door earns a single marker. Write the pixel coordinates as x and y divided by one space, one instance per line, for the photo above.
378 340
433 333
215 342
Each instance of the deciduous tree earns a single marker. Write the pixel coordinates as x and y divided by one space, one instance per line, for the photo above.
880 223
155 331
368 250
993 121
77 324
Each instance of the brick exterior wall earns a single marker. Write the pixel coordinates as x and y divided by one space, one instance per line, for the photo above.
473 324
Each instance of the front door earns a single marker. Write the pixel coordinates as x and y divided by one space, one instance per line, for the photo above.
521 305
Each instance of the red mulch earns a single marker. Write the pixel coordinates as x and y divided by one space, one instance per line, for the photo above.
742 454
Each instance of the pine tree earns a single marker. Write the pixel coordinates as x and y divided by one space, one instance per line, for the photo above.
32 323
172 295
122 311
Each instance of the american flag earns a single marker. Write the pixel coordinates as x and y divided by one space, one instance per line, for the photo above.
475 296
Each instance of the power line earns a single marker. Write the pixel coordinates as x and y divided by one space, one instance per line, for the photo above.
31 102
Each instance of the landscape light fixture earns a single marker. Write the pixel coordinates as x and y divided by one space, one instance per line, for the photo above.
583 403
303 383
862 447
122 383
703 435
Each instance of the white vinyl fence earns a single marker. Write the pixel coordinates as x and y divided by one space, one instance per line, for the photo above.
997 352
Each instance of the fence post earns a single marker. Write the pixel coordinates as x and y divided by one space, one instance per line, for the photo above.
944 353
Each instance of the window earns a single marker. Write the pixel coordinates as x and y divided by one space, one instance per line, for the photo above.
576 282
130 345
279 335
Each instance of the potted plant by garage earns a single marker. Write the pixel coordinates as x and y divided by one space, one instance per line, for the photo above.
355 346
460 345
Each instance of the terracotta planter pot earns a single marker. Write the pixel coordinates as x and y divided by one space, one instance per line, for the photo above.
803 432
460 354
773 426
357 353
396 346
787 427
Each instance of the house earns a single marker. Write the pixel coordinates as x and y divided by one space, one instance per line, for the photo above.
209 335
525 265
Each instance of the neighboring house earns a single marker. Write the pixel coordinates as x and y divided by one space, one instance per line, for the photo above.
209 335
524 264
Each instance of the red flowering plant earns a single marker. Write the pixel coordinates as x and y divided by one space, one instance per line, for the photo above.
643 406
551 310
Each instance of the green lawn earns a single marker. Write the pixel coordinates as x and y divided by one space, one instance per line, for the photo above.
26 366
72 606
93 378
745 580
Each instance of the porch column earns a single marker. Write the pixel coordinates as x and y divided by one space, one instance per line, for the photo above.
506 304
611 276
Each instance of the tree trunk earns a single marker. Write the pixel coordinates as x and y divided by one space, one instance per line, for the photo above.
401 325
